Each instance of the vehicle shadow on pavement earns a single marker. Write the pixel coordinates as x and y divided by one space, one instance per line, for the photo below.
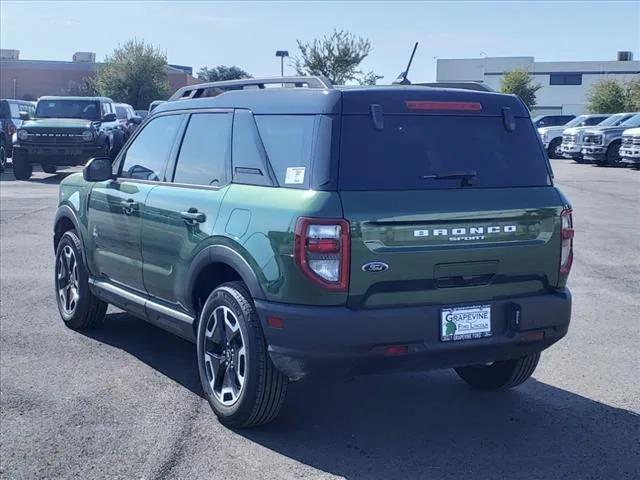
168 354
419 425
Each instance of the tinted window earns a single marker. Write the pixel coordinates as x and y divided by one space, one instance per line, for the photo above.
288 140
554 120
249 158
89 110
593 121
146 156
204 151
565 79
411 149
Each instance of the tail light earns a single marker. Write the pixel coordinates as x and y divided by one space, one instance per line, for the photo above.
322 251
566 233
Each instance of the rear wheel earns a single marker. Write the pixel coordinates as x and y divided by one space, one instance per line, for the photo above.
500 375
554 148
78 307
49 168
22 169
239 380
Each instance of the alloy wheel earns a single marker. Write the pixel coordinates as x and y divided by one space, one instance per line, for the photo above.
68 280
225 355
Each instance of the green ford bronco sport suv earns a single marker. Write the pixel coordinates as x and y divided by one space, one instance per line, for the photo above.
312 230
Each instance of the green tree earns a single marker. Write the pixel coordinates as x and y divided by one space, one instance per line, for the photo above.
606 96
632 95
337 57
221 73
135 73
86 87
520 83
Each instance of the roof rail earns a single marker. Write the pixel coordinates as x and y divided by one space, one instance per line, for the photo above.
212 89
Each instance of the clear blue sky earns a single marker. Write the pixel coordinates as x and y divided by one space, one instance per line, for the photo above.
248 33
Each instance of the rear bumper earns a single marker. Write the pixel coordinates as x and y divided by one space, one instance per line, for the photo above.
59 155
337 341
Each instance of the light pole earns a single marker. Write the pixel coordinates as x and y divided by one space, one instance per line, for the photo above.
282 54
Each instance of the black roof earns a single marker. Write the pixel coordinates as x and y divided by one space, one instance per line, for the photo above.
349 100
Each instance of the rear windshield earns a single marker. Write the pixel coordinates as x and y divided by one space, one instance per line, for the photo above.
85 109
412 150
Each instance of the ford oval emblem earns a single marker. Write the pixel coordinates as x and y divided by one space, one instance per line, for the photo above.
375 267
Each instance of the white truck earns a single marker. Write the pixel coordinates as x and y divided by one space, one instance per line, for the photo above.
552 136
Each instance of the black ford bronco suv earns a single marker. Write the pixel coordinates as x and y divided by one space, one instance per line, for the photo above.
67 131
320 230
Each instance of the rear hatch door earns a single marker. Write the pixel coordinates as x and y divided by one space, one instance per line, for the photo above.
447 206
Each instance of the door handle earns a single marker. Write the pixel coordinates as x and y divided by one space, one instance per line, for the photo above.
129 206
193 216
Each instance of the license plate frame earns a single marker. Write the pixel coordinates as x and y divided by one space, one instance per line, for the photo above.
468 322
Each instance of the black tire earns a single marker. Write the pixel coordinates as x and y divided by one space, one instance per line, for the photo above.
579 160
89 311
553 146
500 375
264 388
3 155
613 153
49 168
22 169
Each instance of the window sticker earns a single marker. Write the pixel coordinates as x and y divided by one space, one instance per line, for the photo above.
295 175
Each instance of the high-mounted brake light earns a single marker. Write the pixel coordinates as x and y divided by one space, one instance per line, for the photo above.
566 234
322 251
452 106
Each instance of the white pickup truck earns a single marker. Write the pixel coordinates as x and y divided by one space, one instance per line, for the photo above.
552 136
630 147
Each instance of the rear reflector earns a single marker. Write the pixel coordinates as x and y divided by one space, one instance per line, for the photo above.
455 106
395 350
275 322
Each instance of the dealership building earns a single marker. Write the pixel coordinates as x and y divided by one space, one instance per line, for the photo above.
30 79
565 85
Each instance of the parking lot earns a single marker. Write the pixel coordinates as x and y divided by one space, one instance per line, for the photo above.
125 401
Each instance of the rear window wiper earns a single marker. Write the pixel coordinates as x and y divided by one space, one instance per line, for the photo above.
465 176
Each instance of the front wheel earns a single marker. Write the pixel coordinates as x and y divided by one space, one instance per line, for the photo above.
613 154
49 169
239 380
3 156
500 375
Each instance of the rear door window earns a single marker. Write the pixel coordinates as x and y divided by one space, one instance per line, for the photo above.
205 149
288 140
412 150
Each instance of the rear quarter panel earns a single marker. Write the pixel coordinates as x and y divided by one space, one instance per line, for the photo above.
259 223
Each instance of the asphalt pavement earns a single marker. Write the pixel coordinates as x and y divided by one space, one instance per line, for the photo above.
125 401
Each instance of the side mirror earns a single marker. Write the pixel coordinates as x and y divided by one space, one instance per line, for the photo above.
24 116
135 120
109 117
98 169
